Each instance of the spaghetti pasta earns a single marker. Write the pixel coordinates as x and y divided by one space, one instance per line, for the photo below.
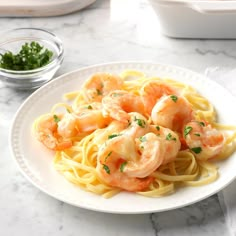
106 142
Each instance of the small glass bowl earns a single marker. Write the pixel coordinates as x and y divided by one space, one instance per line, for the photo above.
13 40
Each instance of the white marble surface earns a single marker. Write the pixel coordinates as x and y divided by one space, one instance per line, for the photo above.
115 30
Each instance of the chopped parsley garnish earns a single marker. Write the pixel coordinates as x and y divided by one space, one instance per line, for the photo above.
197 134
197 150
108 155
113 136
187 130
157 127
106 168
143 139
56 118
89 107
68 110
122 166
98 92
202 123
140 122
174 98
31 56
169 137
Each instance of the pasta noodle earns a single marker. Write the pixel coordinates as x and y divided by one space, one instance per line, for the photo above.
99 155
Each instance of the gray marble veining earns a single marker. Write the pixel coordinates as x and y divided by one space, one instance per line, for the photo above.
104 32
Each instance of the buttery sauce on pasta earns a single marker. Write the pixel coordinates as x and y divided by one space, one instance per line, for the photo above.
130 132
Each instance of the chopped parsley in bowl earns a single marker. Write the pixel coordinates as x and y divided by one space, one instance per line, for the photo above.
29 57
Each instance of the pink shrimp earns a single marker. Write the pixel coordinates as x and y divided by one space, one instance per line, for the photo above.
150 156
46 131
128 158
111 175
170 142
113 129
119 103
86 118
111 164
99 85
203 140
172 112
152 91
137 127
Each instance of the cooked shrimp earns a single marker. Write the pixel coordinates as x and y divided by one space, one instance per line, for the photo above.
203 140
100 85
119 103
172 112
137 127
111 164
112 130
86 118
112 176
150 158
170 142
141 156
46 132
152 91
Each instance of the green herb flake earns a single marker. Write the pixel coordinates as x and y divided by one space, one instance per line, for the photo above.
140 122
169 137
68 110
187 130
113 136
106 168
89 107
174 98
98 92
158 127
143 139
56 118
122 166
31 56
197 134
202 123
108 155
196 150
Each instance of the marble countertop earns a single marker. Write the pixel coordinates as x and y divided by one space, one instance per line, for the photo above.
106 31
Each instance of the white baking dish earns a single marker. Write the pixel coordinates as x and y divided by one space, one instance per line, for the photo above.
196 19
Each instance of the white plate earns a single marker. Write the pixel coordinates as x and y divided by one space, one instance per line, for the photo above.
35 162
42 8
